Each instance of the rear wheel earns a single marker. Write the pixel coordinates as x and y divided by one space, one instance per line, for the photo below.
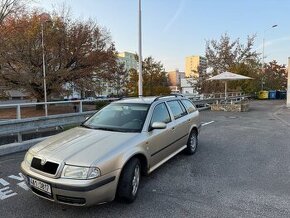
129 181
192 143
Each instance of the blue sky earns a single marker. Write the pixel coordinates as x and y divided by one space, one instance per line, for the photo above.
174 29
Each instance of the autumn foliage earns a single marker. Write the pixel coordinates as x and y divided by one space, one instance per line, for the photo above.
155 81
79 53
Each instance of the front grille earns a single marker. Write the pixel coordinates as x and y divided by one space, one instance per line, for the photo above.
43 194
70 200
48 167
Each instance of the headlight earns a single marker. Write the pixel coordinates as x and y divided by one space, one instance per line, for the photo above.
73 172
28 158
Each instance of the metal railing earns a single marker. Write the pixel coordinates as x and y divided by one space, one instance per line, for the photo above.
78 104
19 126
215 95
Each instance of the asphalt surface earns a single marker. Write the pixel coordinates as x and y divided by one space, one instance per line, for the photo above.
241 169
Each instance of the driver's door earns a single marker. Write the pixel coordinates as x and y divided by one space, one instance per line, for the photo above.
159 140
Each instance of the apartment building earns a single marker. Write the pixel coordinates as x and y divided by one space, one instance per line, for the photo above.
129 59
194 65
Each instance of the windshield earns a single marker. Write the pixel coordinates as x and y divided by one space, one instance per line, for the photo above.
120 117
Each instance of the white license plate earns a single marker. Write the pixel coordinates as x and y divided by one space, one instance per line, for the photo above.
42 186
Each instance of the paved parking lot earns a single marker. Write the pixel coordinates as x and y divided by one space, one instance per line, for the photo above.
241 169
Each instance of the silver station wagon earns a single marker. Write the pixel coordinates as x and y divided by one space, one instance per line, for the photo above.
104 158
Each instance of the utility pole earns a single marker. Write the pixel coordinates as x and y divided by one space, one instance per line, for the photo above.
43 66
288 85
44 18
140 83
263 57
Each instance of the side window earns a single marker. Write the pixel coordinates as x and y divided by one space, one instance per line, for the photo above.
176 109
160 114
183 108
189 106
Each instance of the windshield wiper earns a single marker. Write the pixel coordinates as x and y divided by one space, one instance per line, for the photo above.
106 129
86 126
109 129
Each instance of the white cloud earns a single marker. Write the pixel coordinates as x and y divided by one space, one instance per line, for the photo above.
176 15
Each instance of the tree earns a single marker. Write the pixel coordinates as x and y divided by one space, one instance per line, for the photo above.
77 53
155 81
247 69
9 7
228 55
275 76
119 78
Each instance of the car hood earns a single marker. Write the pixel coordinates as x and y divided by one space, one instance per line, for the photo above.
80 146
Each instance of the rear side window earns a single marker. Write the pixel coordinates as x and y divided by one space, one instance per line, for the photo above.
161 114
189 106
176 109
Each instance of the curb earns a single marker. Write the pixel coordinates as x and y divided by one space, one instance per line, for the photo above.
203 108
17 147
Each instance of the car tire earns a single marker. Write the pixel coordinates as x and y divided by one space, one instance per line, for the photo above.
192 143
129 181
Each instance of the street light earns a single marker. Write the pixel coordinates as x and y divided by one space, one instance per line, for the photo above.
44 17
263 53
140 86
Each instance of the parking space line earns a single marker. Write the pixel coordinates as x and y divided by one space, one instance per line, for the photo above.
205 124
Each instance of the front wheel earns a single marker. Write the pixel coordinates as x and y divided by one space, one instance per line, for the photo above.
192 143
129 181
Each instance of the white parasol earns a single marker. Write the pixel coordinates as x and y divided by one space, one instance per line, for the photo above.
228 76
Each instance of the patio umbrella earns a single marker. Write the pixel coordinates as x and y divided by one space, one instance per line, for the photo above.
228 76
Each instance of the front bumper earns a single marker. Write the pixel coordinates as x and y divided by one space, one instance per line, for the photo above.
76 192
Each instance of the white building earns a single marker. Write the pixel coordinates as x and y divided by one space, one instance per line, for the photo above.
187 86
129 59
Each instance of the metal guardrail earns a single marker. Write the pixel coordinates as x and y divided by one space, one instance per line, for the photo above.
205 96
208 102
13 127
19 126
76 102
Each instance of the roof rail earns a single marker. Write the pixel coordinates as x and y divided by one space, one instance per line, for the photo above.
170 95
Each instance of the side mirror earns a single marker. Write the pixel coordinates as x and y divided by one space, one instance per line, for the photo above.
158 125
87 118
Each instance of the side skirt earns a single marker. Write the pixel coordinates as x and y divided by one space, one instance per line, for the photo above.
166 159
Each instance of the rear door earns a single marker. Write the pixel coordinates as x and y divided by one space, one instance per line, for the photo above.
180 122
192 117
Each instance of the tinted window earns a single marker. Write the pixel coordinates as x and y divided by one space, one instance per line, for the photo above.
176 109
189 106
160 114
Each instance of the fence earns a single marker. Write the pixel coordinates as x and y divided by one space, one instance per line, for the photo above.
77 106
19 126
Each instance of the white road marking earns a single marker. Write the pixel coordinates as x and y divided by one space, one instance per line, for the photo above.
6 192
23 185
19 178
3 182
204 124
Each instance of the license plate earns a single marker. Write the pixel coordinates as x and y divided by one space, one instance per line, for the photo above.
42 186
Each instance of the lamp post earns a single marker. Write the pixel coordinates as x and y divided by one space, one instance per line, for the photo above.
288 85
263 53
140 84
44 17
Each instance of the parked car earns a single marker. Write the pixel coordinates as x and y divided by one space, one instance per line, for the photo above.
90 99
105 157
